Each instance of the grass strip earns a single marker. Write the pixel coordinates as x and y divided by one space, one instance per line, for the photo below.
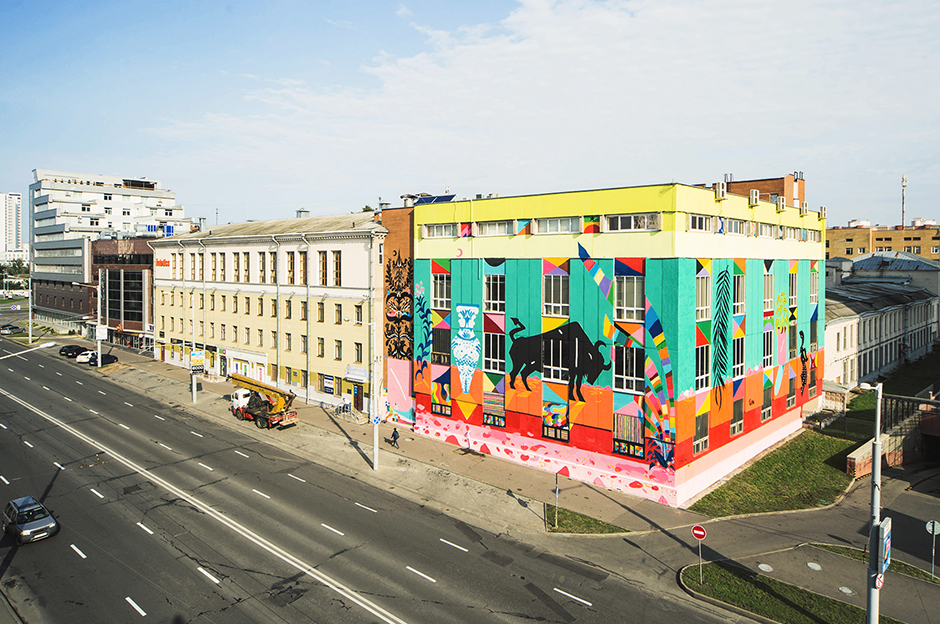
573 522
770 598
808 471
896 566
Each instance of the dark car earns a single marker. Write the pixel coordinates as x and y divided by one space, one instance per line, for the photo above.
106 358
71 351
27 520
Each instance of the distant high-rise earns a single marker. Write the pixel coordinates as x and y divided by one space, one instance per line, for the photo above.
11 223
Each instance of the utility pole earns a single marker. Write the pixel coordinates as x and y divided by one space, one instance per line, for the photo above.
903 187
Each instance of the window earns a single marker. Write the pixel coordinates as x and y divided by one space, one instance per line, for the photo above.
814 287
107 210
703 298
126 212
221 332
558 225
303 343
320 311
555 360
628 368
494 353
358 349
202 266
766 410
337 268
272 261
245 276
794 282
702 366
621 223
274 343
234 333
768 360
303 310
556 433
222 267
212 302
812 382
261 338
320 347
260 306
495 228
92 221
107 196
767 230
441 230
848 251
494 293
274 308
700 441
381 253
440 408
358 313
338 314
214 266
628 436
192 266
440 291
303 268
734 226
248 336
629 298
440 346
740 290
86 207
202 301
793 344
287 342
287 309
290 267
700 223
262 275
813 336
791 393
323 268
737 366
235 305
337 350
768 292
737 417
555 295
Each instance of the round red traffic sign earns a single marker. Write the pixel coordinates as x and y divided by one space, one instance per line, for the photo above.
879 581
698 532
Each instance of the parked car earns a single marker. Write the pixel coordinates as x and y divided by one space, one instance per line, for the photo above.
71 351
27 520
6 330
106 358
84 356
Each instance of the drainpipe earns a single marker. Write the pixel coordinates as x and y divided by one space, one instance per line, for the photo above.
153 339
205 320
303 237
192 377
277 310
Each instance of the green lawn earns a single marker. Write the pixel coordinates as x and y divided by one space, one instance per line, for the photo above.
905 381
770 598
808 471
573 522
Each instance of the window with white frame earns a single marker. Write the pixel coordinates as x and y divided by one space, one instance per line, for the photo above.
558 225
768 360
703 357
815 236
555 295
494 293
792 335
794 283
737 358
622 223
737 417
441 230
739 288
766 410
440 291
700 223
813 336
700 441
791 233
735 226
791 393
494 353
768 292
814 287
629 298
628 368
703 298
555 359
767 230
494 228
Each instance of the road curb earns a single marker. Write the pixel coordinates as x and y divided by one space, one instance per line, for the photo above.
720 603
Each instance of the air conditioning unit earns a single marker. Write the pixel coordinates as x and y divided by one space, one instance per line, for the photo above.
804 208
822 212
755 197
721 190
781 204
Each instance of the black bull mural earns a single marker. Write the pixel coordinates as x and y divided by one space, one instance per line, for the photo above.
585 360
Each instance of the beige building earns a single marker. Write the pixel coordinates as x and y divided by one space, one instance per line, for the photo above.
922 238
290 301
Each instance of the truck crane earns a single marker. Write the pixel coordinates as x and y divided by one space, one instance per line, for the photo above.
263 403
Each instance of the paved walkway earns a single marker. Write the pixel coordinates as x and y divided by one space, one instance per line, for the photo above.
507 498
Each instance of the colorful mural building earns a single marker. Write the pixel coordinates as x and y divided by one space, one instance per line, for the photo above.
646 339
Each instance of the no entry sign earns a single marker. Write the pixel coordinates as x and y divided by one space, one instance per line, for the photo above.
698 532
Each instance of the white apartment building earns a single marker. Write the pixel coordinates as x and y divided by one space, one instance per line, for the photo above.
11 224
295 302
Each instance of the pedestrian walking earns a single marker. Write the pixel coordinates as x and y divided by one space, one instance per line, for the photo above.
395 438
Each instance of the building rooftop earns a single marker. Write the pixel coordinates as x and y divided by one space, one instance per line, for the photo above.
845 302
360 221
894 261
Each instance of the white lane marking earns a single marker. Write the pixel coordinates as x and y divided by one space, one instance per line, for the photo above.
58 373
67 399
11 370
22 358
41 366
80 553
293 477
26 378
128 404
366 508
410 569
235 527
165 446
206 467
94 412
134 604
45 388
79 383
260 493
326 526
564 593
100 392
454 545
2 425
27 444
240 453
59 466
125 426
4 479
145 528
97 493
196 434
211 578
160 417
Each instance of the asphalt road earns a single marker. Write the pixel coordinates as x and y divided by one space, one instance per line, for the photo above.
187 520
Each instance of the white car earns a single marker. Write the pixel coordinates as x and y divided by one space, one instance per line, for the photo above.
83 358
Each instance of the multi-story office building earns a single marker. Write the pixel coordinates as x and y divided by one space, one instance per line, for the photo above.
296 302
647 339
67 211
921 237
11 225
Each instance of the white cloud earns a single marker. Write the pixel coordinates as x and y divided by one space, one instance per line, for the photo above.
403 11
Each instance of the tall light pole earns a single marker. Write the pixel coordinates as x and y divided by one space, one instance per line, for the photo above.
903 187
873 537
97 331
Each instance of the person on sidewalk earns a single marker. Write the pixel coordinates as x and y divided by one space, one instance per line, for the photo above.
395 438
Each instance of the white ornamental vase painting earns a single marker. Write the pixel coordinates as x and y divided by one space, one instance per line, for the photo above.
465 347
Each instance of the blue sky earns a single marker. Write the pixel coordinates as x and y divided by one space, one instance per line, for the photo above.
252 110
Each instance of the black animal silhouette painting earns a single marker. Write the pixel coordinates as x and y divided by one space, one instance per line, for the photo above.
585 360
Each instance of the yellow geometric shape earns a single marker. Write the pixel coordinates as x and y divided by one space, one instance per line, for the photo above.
551 322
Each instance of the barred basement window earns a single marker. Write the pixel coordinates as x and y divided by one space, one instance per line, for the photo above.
700 441
556 433
737 417
628 435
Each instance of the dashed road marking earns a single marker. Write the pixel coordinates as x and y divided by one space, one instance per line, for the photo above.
97 493
196 434
410 569
27 444
26 378
454 545
134 604
45 388
4 479
80 553
102 392
94 412
209 576
79 383
58 373
293 477
125 426
2 425
260 493
58 465
165 446
67 399
564 593
128 404
145 528
206 467
329 528
240 453
160 417
366 508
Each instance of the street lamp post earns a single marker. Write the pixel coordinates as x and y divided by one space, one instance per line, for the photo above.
97 289
873 537
903 187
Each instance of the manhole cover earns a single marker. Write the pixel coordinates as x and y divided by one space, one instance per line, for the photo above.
847 591
765 568
812 565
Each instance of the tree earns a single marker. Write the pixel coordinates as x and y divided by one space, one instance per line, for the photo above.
368 208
